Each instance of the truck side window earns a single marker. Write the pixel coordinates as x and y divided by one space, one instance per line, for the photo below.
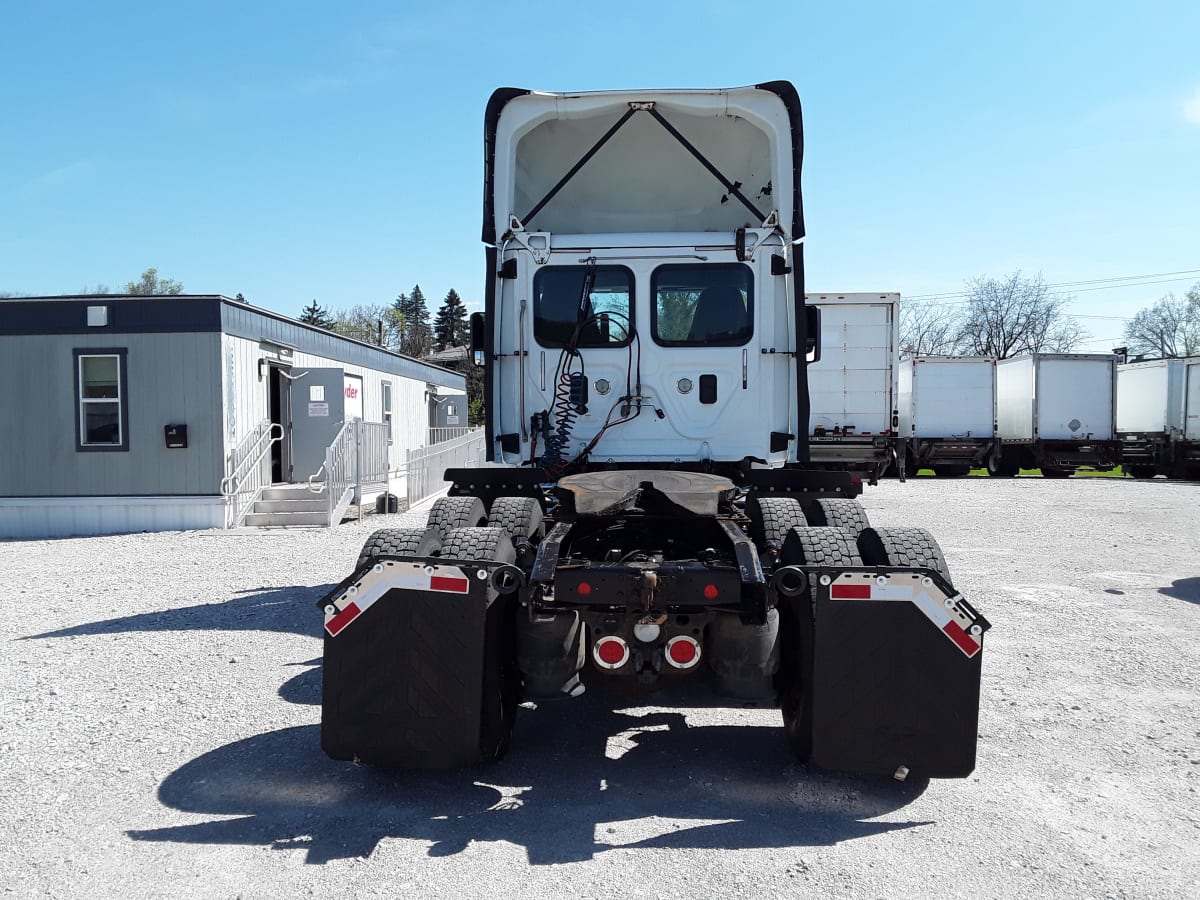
606 314
702 305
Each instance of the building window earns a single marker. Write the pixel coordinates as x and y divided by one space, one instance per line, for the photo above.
387 408
100 394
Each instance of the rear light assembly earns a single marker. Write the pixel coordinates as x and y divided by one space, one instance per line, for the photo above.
683 652
610 652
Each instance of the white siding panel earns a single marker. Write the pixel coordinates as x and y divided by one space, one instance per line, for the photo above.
29 518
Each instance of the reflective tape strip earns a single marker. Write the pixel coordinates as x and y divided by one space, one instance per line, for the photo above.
949 619
871 591
360 597
842 591
339 621
935 611
966 643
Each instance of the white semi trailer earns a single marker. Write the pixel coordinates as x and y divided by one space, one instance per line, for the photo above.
1158 417
1056 412
947 413
852 387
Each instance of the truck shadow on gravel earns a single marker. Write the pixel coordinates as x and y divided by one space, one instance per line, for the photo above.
287 610
583 778
1183 589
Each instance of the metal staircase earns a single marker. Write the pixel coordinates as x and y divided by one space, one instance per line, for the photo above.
289 505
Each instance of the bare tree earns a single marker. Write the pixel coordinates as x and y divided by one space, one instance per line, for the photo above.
150 284
1016 315
363 322
929 329
1171 327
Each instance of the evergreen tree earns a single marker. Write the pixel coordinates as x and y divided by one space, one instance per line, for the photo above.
314 315
411 317
450 325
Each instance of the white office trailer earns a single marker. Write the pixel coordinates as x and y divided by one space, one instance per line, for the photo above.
130 413
1056 412
947 413
852 387
1158 417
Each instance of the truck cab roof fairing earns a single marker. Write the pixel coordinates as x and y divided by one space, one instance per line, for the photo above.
707 176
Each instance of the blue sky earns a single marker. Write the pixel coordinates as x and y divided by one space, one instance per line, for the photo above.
297 151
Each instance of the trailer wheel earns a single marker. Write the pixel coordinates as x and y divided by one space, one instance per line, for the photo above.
838 513
914 547
448 513
1004 467
399 542
951 471
1142 471
501 675
521 517
771 518
808 546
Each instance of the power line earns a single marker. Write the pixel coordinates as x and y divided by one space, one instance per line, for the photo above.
1115 281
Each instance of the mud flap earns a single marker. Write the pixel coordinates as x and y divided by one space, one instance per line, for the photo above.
414 665
894 685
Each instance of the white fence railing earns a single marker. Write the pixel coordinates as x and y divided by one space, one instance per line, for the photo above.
425 466
441 434
248 471
358 456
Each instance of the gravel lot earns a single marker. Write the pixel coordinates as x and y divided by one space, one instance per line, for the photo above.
159 735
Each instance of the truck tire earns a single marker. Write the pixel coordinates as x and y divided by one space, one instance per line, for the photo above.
837 513
1141 471
1057 472
1004 467
521 517
399 542
810 546
902 547
490 544
448 513
771 518
830 545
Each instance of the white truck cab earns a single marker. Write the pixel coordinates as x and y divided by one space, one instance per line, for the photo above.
643 296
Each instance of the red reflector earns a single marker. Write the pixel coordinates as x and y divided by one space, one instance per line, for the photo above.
682 652
584 589
342 619
710 592
453 585
965 642
850 592
611 651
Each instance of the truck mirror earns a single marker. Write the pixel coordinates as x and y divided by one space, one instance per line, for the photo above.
812 332
478 338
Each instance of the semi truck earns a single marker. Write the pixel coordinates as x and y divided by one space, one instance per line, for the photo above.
947 413
1158 417
650 514
1055 412
852 387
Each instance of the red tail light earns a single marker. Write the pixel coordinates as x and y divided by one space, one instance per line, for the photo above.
610 652
683 652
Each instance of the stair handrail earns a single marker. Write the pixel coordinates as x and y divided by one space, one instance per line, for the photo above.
244 481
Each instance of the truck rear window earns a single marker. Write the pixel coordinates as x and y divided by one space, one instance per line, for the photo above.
702 305
562 315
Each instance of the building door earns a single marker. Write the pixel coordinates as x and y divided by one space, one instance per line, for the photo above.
278 403
317 413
